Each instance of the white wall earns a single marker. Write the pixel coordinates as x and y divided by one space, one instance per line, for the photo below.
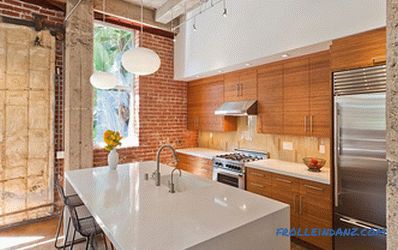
258 31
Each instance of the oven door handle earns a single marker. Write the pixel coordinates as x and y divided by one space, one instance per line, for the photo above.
224 172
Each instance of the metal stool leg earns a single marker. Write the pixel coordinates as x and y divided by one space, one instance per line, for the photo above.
106 244
61 217
73 239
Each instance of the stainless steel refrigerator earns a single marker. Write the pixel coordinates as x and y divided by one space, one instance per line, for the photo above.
360 155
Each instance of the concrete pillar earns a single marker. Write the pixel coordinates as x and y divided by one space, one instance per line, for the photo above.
392 123
78 91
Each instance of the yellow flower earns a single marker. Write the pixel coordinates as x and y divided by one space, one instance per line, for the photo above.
112 139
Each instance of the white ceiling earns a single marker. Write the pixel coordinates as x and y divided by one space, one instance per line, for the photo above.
153 4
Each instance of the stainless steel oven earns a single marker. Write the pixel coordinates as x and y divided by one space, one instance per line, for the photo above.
230 168
229 177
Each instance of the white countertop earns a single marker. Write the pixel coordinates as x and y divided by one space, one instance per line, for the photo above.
202 152
135 214
293 169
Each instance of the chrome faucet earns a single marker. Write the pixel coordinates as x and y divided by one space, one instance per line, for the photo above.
157 172
172 188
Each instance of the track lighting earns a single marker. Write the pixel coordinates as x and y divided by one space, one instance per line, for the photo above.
225 12
194 25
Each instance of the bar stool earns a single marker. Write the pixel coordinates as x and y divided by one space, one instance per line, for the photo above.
86 227
67 200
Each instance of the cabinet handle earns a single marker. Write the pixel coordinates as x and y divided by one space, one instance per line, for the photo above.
257 174
237 89
241 89
311 125
256 185
283 180
305 124
301 205
313 188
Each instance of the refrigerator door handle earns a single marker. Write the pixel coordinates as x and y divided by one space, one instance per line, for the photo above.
361 224
336 152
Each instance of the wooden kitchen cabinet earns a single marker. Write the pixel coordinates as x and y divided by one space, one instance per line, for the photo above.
204 97
240 86
285 189
270 99
360 50
196 165
310 202
320 102
258 182
296 89
315 210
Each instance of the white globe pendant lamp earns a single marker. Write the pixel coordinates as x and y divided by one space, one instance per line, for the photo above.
102 79
141 61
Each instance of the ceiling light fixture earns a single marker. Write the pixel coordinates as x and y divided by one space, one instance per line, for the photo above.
285 55
194 25
225 12
248 64
140 60
103 79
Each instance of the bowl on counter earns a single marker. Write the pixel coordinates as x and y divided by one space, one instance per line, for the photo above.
314 164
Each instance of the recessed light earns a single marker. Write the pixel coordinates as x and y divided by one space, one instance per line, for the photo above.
220 71
285 55
248 64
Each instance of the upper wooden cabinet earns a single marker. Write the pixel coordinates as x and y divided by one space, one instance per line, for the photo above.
270 99
296 89
320 76
361 50
240 86
204 97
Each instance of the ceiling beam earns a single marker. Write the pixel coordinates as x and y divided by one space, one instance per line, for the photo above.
173 9
128 10
58 5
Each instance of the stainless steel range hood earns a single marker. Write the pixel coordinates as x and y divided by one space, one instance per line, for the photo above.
241 108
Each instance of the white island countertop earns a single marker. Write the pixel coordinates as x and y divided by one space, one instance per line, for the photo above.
135 214
298 170
206 153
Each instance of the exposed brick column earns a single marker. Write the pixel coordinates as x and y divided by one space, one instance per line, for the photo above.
78 91
392 123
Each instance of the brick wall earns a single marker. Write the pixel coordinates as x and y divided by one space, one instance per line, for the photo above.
162 109
162 106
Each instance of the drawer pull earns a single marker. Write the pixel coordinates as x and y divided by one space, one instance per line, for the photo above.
313 188
284 181
257 174
256 185
301 205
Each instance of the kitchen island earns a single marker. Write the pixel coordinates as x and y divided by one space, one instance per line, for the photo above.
202 214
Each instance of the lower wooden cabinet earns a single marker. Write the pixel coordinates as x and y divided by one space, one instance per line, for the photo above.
310 202
195 165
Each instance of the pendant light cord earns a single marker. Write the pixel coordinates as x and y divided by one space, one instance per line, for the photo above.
142 16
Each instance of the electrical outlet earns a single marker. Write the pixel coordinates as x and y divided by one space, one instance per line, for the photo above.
60 155
287 145
322 149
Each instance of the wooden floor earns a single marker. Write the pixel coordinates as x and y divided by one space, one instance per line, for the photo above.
41 236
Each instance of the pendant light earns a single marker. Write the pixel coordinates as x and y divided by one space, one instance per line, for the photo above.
102 79
141 61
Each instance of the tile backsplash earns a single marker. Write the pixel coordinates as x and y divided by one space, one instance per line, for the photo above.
282 147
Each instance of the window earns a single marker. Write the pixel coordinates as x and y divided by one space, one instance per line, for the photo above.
113 109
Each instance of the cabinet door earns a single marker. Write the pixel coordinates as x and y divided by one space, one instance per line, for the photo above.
270 99
315 209
259 182
204 97
296 97
361 50
195 100
231 87
285 189
196 165
248 85
320 121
